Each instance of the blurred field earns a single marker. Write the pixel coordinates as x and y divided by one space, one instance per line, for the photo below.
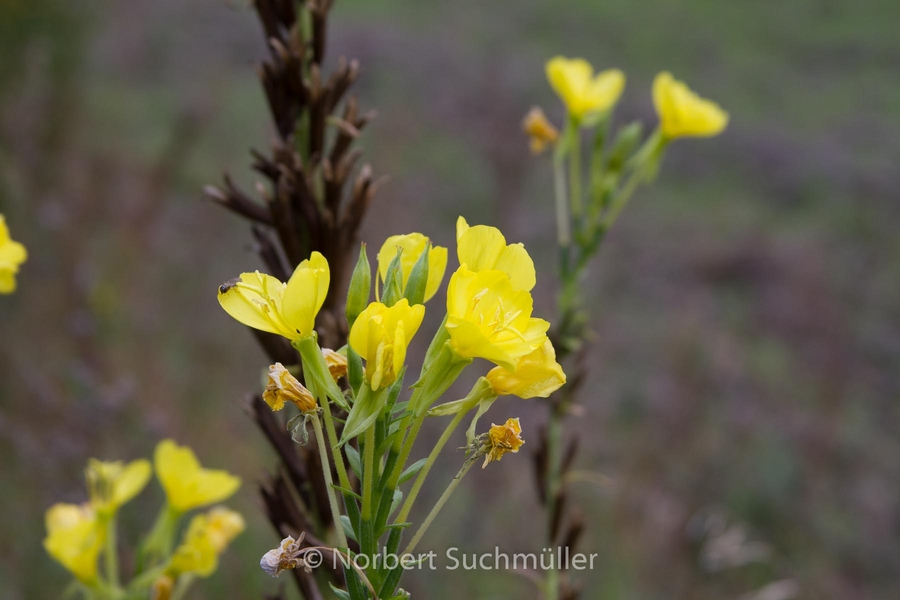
747 360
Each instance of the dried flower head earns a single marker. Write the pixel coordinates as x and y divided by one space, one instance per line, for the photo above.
288 555
337 363
284 387
502 439
540 130
162 588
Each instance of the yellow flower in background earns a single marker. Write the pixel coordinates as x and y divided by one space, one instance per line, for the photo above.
12 254
413 245
484 248
581 91
539 129
283 387
186 483
682 112
75 538
336 362
288 309
206 538
488 317
112 484
536 375
503 439
381 335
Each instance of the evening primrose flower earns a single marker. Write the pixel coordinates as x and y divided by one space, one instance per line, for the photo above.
540 130
583 93
682 113
75 538
536 375
488 317
413 245
502 439
381 335
207 537
186 483
337 363
12 254
288 309
112 484
283 387
484 248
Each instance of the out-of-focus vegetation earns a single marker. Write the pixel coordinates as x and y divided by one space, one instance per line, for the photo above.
747 354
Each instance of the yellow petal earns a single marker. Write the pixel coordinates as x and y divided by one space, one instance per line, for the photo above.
480 247
437 264
254 299
187 485
516 262
682 112
359 334
305 294
536 375
131 481
7 281
462 226
74 539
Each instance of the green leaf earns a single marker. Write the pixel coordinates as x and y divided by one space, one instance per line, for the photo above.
348 528
395 502
393 281
343 595
364 412
411 471
418 279
360 287
353 459
354 369
346 492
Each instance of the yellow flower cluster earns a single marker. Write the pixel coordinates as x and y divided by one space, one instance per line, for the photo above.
78 533
682 113
12 254
207 537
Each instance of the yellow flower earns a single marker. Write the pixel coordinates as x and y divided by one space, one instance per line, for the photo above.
12 254
536 375
583 93
684 113
488 317
380 336
540 130
483 248
75 538
186 483
112 484
288 309
283 386
413 245
337 363
206 538
502 439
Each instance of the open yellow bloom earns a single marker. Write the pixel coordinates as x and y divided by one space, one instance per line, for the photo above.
583 93
75 538
381 335
12 254
413 245
283 387
502 439
536 375
112 484
488 317
540 130
288 309
682 112
484 248
186 483
206 538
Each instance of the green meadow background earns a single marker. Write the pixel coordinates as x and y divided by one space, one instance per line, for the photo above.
741 425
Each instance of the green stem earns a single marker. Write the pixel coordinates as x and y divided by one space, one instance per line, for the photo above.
554 442
621 199
326 471
563 230
367 541
181 588
420 480
437 507
112 561
575 169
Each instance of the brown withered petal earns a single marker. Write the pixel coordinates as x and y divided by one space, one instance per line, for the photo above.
284 387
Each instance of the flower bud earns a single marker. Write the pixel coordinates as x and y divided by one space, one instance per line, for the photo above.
540 130
284 387
360 287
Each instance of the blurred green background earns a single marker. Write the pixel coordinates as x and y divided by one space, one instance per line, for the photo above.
746 369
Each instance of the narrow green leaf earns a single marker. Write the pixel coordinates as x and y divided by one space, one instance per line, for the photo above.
411 471
353 459
348 528
364 412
